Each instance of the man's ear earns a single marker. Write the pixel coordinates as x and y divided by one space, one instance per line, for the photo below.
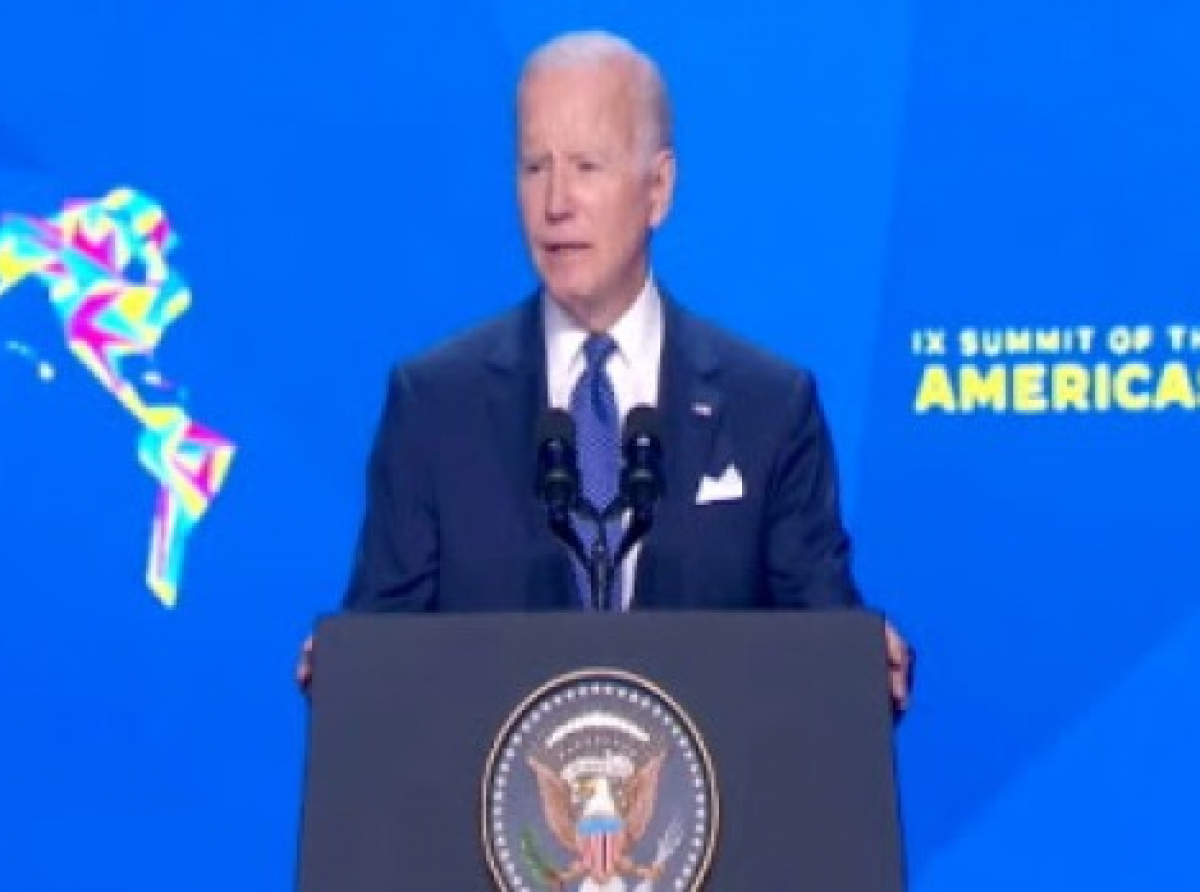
662 185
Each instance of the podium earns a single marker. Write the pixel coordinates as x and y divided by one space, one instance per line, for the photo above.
779 723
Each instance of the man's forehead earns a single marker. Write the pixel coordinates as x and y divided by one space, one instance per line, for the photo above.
576 84
586 106
583 135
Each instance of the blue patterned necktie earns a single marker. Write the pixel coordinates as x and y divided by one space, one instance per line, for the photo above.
598 433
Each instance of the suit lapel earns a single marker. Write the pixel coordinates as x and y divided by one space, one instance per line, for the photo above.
516 387
690 405
516 395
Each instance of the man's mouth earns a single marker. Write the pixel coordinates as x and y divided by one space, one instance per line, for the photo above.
565 248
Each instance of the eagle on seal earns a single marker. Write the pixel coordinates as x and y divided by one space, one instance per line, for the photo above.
599 819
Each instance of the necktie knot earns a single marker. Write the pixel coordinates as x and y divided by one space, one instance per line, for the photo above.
596 351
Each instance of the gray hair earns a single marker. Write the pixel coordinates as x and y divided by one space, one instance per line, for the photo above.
596 47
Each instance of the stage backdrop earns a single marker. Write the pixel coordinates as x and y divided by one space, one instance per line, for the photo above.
979 223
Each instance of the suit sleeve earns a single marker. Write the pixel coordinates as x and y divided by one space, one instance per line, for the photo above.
395 565
807 547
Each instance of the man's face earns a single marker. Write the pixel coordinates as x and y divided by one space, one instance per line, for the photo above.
589 193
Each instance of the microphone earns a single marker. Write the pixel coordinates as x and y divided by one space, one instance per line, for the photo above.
558 467
643 481
642 478
557 484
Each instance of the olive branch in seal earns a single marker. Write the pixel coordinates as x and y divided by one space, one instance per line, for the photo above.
536 860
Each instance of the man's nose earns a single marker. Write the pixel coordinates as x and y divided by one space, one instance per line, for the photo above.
559 201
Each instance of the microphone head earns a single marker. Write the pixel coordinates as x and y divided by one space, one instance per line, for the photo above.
557 479
642 478
642 422
556 424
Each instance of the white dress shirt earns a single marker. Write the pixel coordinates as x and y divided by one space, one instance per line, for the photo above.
633 369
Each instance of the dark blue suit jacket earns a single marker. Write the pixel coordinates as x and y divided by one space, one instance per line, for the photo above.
453 524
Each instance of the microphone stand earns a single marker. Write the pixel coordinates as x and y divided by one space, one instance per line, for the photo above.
601 572
603 568
558 487
600 565
561 526
639 526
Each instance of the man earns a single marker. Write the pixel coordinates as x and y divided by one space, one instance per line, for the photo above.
750 517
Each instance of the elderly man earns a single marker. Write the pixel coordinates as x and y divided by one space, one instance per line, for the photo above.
750 518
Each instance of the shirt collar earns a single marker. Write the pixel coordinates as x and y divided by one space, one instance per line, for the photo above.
638 332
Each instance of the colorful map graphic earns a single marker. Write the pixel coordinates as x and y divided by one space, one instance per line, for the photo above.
104 266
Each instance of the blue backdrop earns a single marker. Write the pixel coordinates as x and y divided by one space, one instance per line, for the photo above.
979 223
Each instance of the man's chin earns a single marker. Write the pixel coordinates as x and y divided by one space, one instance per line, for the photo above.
590 307
572 298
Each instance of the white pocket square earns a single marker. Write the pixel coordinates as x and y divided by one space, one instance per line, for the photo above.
725 488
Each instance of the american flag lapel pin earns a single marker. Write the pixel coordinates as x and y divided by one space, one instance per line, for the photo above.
704 410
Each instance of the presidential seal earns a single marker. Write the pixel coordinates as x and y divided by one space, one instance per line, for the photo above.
599 782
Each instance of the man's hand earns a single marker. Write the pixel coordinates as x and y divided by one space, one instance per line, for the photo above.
900 659
304 666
